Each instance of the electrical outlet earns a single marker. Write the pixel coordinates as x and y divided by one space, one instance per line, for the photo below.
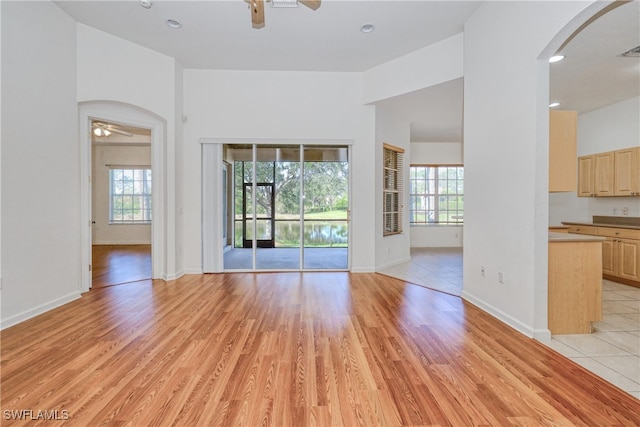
625 211
500 277
482 271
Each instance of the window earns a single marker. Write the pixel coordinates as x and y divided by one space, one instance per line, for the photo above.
130 196
437 194
392 190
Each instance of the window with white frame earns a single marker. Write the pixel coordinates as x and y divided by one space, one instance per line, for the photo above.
129 195
436 194
392 189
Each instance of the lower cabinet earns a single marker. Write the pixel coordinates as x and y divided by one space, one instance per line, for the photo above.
629 259
609 257
620 252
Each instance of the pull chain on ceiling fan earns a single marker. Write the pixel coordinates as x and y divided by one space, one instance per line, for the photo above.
257 8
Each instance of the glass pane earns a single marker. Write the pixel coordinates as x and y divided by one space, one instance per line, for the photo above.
263 229
326 190
248 201
264 206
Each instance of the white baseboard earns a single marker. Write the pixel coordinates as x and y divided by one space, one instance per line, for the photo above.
42 308
501 315
393 263
192 271
173 276
542 334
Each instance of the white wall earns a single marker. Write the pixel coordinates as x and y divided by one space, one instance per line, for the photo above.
393 249
506 155
441 62
436 153
614 127
609 128
40 209
103 232
148 82
281 106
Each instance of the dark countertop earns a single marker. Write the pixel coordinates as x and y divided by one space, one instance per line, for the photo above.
601 224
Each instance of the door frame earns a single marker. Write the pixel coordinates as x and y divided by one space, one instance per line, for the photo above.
128 115
260 243
212 222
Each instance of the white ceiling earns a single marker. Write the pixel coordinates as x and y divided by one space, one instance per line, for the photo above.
593 74
217 34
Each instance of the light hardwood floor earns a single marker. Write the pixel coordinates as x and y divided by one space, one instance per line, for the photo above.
292 349
117 264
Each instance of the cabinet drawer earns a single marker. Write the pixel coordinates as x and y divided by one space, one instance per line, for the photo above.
623 233
583 229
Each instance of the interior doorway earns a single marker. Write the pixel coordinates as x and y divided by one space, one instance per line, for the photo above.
121 206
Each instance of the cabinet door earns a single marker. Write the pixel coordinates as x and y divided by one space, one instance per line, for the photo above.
629 259
562 150
609 258
603 173
626 171
585 176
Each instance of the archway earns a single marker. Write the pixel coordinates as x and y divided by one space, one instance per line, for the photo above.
129 115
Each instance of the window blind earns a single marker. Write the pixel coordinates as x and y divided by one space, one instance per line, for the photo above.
392 189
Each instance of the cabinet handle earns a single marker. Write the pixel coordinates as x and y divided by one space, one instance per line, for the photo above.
617 232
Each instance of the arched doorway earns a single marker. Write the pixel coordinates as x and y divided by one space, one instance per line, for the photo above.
126 115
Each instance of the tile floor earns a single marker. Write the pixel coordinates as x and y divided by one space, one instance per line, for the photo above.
439 269
611 352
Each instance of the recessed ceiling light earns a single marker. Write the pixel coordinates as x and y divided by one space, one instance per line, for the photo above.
556 58
146 4
173 23
367 28
554 104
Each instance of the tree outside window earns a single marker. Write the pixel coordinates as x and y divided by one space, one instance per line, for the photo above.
436 194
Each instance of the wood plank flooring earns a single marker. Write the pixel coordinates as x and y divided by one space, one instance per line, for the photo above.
117 264
292 349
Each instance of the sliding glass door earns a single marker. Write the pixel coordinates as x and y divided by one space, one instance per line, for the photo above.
272 229
326 207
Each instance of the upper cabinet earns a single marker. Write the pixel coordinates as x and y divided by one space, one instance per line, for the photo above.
586 184
627 178
614 173
562 150
603 168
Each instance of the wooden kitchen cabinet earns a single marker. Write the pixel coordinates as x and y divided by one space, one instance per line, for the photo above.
603 173
575 286
562 150
620 252
586 177
621 258
629 259
609 257
627 172
583 229
614 173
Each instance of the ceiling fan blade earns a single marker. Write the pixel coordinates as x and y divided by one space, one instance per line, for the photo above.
119 131
312 4
257 13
